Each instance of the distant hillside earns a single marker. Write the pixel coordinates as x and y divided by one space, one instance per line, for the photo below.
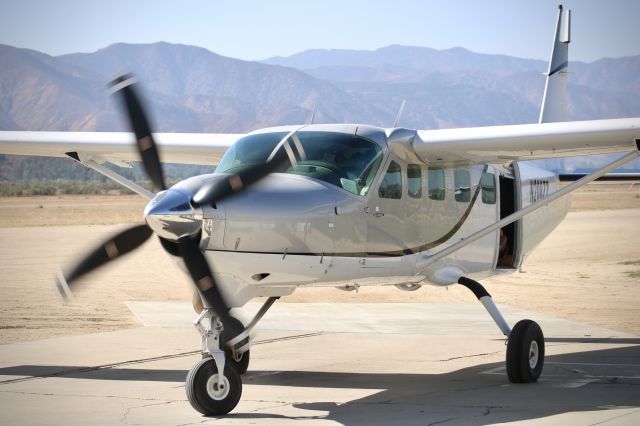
488 89
40 92
191 89
395 61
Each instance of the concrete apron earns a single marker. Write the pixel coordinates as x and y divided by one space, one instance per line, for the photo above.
328 364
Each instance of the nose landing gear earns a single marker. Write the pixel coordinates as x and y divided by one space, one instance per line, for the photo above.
208 391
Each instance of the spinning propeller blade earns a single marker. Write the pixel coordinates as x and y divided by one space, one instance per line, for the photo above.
140 126
116 246
202 277
218 191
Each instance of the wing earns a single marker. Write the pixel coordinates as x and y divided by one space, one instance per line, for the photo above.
118 147
498 144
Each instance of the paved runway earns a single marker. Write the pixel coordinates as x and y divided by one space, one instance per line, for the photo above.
351 364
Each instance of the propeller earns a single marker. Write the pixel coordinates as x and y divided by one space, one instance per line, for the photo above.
217 191
123 85
132 238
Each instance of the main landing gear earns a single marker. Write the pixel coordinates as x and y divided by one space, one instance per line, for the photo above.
525 345
208 391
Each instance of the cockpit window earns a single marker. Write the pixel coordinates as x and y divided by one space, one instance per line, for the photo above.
344 160
249 151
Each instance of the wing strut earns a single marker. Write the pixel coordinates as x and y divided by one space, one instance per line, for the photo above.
90 162
429 260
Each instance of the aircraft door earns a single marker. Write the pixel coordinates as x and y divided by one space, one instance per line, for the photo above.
510 235
386 219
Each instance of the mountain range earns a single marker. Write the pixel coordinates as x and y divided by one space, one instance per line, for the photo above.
190 89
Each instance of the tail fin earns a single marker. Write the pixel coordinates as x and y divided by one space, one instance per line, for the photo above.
555 99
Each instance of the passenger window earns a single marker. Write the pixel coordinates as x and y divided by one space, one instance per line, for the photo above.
462 185
488 184
414 181
436 184
391 186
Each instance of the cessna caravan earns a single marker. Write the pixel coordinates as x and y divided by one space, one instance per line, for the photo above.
341 205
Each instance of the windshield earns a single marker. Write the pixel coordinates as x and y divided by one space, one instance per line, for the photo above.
347 161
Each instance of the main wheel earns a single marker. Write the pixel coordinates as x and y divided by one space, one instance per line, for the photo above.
203 391
239 361
525 352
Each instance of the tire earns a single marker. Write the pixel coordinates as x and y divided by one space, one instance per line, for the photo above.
525 352
239 362
203 394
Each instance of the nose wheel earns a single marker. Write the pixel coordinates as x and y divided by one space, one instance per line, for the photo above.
210 394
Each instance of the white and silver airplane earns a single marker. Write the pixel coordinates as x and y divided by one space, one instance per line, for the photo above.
342 205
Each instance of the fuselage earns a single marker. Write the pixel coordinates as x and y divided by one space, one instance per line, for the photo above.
352 206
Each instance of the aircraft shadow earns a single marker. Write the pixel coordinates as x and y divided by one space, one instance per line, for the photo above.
575 382
583 381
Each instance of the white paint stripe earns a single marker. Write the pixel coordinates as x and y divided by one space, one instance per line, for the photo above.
614 377
574 384
595 364
494 370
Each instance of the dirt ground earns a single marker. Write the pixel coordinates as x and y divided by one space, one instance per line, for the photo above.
588 270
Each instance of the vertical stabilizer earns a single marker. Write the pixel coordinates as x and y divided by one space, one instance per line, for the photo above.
555 99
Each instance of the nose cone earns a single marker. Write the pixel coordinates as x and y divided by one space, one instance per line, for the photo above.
171 215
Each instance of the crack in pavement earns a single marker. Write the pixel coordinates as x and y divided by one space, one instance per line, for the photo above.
441 421
124 419
89 369
99 367
88 396
614 418
487 409
192 423
469 356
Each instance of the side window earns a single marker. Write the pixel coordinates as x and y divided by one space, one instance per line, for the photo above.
414 180
391 186
436 184
462 185
488 184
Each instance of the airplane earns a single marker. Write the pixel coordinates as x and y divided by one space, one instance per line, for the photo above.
341 205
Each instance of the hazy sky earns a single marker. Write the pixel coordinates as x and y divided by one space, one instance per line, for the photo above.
253 29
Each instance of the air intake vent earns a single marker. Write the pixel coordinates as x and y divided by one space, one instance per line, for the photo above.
260 277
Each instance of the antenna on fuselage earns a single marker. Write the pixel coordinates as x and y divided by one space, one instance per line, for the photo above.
312 117
399 114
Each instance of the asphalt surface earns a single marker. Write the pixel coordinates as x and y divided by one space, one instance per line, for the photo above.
351 364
